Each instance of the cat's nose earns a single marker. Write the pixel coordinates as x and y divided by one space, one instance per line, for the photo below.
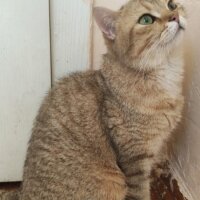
174 17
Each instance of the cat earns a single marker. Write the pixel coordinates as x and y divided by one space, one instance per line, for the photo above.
98 134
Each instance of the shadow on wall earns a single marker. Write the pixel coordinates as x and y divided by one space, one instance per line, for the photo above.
185 155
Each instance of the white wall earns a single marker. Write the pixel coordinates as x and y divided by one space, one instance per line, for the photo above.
71 24
29 59
24 77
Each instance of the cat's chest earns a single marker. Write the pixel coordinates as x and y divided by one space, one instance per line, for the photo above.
132 131
127 125
170 78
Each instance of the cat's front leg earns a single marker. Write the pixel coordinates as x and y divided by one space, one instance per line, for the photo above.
138 187
138 178
161 163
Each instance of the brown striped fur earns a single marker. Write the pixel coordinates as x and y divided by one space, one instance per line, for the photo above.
98 133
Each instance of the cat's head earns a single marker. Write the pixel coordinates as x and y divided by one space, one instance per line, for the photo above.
142 32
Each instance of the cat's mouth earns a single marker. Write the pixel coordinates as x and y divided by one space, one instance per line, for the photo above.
181 26
182 23
180 29
172 32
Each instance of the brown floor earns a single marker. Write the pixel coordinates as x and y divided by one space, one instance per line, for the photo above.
9 186
161 189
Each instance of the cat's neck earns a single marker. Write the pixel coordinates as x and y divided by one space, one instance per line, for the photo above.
142 89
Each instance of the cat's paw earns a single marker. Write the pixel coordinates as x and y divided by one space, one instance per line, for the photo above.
161 170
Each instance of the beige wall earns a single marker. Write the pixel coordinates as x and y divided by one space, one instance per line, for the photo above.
186 159
186 149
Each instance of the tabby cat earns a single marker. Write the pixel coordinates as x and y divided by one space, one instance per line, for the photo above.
99 133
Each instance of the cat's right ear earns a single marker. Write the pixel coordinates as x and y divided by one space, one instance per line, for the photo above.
106 20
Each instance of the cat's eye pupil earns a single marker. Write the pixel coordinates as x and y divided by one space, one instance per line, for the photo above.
146 20
172 5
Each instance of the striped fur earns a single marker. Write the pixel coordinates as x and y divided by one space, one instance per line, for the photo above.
98 133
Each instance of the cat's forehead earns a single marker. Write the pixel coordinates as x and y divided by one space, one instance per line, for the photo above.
155 7
148 4
154 4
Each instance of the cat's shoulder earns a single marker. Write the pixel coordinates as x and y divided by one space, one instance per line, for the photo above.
76 91
79 86
81 82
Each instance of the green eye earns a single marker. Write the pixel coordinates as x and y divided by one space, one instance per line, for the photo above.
172 5
146 19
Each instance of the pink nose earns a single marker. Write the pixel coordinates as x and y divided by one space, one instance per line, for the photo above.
174 18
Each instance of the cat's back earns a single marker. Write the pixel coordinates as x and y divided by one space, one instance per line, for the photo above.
73 105
75 90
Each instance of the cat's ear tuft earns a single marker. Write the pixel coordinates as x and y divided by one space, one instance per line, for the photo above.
106 20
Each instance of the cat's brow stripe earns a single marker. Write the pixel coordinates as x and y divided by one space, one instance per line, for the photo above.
147 6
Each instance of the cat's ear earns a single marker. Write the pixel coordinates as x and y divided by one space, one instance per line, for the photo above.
106 20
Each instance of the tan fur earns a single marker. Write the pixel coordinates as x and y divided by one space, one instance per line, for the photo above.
9 195
98 134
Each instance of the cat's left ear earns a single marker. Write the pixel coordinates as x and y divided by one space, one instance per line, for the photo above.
106 20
